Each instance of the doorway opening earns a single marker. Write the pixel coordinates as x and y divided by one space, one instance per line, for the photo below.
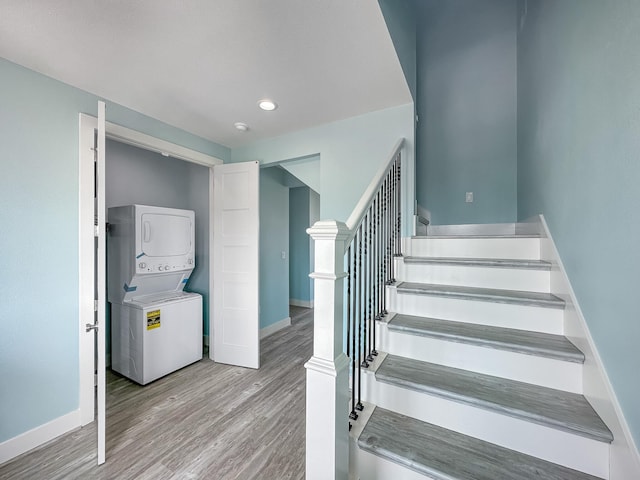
136 176
304 211
288 206
92 209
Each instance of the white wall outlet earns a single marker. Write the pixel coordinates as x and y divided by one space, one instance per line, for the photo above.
469 197
283 254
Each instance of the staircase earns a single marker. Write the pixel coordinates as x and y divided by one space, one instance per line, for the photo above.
474 379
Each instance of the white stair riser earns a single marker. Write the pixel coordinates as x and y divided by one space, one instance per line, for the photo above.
523 317
533 369
367 466
475 276
510 248
557 446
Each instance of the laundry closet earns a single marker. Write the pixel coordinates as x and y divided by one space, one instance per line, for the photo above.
157 321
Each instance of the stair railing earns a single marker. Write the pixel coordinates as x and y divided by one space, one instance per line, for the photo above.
353 264
373 243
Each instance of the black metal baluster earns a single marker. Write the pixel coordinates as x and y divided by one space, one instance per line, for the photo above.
388 231
389 227
351 318
376 258
348 304
399 213
359 405
384 235
370 283
375 313
392 212
348 301
383 292
395 212
394 199
374 263
393 217
363 277
383 245
381 281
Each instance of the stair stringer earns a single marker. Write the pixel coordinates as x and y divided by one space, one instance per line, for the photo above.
624 457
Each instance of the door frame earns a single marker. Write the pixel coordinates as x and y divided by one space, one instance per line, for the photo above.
86 239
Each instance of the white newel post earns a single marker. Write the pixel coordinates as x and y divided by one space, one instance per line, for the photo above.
327 447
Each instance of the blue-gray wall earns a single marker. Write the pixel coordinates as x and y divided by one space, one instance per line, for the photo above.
39 240
578 164
466 134
299 245
137 176
274 239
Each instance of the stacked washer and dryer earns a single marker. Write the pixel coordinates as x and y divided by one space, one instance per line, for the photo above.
156 327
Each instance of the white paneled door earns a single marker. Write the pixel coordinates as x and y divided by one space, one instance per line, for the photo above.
235 307
101 275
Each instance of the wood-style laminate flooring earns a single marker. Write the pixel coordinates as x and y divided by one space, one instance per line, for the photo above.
206 421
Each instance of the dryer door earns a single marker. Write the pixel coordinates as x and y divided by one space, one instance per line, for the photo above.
165 235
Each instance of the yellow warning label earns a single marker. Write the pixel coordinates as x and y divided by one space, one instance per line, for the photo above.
153 319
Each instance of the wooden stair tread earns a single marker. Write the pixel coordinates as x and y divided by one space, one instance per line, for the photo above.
446 455
516 297
545 406
481 262
522 341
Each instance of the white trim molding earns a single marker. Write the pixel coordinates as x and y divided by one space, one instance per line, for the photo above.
154 144
274 327
37 436
301 303
624 457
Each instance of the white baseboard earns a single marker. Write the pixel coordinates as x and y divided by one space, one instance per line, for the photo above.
33 438
301 303
624 455
274 327
473 229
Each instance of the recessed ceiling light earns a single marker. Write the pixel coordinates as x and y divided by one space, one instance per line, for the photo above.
268 105
243 127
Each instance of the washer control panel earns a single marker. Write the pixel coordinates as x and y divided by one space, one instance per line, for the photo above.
147 267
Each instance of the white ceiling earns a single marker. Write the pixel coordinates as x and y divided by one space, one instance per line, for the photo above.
202 65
